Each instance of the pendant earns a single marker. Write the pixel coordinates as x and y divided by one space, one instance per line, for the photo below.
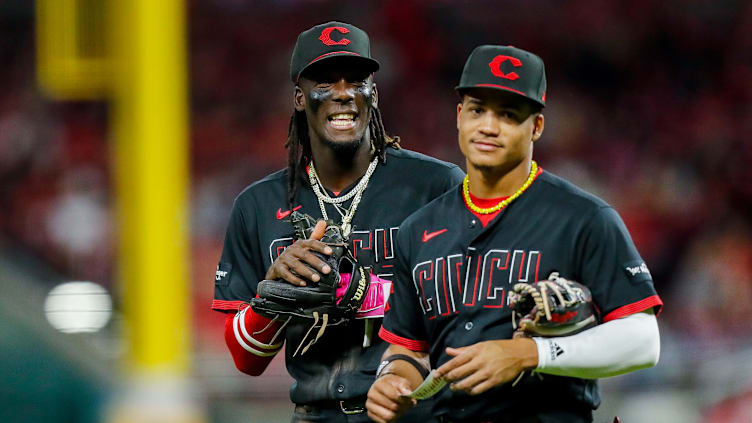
346 227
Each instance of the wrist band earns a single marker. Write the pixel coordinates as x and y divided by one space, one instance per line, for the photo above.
421 369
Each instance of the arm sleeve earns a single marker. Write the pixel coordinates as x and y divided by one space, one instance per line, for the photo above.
253 340
612 268
403 318
610 349
240 265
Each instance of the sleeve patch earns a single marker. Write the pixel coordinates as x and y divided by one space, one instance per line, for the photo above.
222 277
637 271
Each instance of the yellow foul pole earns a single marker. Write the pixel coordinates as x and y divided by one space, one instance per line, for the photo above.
140 66
151 137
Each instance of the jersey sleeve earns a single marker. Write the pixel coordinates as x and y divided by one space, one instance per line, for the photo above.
403 319
240 266
611 267
451 178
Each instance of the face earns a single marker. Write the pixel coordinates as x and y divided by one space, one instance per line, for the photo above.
496 129
337 97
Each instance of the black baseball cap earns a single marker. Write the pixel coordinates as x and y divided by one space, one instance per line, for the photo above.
332 39
505 68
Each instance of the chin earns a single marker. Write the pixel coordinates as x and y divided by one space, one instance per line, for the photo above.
344 147
486 163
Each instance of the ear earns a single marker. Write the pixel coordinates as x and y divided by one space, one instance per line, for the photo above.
375 96
459 110
538 125
299 99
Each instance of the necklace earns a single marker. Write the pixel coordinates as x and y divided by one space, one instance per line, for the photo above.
503 203
356 192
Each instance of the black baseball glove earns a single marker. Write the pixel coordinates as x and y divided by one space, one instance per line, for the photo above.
318 303
552 307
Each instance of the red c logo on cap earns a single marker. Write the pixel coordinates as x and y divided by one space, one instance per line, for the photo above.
495 66
326 36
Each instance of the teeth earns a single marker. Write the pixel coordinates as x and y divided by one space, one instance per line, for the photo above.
344 116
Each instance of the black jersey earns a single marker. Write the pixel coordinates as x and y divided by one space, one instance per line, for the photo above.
338 366
453 277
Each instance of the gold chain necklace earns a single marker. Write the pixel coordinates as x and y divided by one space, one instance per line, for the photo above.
503 203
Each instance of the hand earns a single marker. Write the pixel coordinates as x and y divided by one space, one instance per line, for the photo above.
479 367
298 261
384 403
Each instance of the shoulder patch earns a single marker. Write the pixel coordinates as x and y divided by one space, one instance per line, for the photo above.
637 271
222 277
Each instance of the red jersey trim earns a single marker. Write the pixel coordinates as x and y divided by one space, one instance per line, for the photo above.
222 305
629 309
412 345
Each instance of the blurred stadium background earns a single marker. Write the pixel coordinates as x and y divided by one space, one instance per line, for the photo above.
650 106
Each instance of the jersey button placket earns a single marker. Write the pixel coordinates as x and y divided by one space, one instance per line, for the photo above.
340 388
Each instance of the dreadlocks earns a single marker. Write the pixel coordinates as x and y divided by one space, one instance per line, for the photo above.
299 148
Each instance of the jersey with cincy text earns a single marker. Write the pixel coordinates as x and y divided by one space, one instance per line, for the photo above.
337 366
453 277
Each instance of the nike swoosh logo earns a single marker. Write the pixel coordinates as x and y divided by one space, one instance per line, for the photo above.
427 236
283 214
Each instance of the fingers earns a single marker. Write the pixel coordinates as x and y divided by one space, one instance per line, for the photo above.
482 387
318 230
298 263
305 264
313 245
473 378
284 273
455 351
449 369
384 403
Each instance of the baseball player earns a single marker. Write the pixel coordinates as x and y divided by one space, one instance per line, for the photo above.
510 222
343 167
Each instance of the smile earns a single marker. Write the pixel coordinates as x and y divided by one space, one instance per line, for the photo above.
342 120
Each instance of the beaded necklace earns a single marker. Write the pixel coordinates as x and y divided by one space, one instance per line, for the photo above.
503 203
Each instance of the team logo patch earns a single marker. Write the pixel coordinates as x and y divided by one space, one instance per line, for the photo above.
326 36
637 271
222 277
495 66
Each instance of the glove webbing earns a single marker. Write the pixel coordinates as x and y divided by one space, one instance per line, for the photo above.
541 298
539 302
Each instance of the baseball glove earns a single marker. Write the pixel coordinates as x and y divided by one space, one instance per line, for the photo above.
552 307
317 303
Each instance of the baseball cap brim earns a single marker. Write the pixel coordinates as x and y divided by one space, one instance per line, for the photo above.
368 63
463 89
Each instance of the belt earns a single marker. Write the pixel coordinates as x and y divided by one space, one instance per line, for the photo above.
348 406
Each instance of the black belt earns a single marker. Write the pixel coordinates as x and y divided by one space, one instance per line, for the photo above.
348 406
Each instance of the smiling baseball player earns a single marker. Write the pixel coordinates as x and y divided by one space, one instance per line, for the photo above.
344 168
512 240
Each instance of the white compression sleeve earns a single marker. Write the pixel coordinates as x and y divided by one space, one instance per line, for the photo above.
610 349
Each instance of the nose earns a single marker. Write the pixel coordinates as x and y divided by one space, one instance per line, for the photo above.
342 92
489 125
